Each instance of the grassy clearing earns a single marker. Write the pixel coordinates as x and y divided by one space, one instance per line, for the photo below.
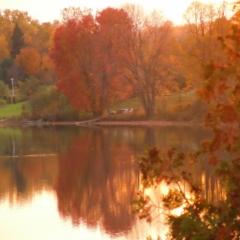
12 110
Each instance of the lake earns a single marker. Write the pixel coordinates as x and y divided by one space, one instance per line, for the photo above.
73 182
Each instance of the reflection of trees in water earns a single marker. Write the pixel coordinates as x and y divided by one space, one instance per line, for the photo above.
183 138
97 182
22 178
203 173
32 140
93 187
164 137
189 138
103 158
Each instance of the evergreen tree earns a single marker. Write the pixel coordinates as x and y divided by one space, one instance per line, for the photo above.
17 41
5 67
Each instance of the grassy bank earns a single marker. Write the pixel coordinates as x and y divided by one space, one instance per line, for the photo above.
12 110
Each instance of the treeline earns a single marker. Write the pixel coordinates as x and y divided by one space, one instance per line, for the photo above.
98 60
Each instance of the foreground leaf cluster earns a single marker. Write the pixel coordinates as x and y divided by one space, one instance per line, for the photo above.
200 218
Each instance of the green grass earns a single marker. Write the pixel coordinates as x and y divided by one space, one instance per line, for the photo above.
12 110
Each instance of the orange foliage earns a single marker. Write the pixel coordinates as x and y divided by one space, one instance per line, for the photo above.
4 52
30 60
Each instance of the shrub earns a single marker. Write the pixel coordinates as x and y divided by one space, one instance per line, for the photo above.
4 90
50 105
28 88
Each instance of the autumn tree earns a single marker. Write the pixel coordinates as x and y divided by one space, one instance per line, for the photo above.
204 23
113 25
32 35
73 56
30 60
46 71
4 50
200 218
145 56
41 37
85 56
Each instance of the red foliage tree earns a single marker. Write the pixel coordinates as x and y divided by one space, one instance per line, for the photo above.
85 57
113 26
73 56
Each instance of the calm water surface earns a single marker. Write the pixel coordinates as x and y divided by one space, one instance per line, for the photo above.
74 182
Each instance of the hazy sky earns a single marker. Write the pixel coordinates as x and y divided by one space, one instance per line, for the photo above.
49 10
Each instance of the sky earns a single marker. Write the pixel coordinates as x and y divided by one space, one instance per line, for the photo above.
49 10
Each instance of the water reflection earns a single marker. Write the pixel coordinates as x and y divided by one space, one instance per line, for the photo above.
93 172
97 181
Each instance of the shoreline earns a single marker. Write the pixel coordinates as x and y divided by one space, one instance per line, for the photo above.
102 123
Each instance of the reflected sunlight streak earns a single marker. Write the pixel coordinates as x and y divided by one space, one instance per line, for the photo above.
158 226
41 221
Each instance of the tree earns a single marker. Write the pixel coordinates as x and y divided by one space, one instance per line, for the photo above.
113 24
4 52
204 23
145 54
85 55
28 88
41 37
29 60
17 41
5 70
199 218
73 56
46 72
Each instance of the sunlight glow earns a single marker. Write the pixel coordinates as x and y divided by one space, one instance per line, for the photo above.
47 225
46 10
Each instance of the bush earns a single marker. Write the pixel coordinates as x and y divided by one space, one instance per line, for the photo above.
28 88
50 105
4 90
